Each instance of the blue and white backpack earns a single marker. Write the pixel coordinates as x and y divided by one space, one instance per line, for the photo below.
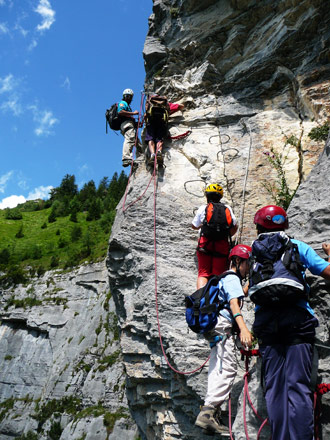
204 305
277 273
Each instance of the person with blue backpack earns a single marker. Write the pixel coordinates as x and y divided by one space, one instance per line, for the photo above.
284 322
222 365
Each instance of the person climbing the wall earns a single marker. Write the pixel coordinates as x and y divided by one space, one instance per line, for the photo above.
284 322
158 110
222 364
128 127
217 225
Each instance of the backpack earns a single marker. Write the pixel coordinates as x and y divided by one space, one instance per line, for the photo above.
204 305
277 274
157 110
217 221
112 118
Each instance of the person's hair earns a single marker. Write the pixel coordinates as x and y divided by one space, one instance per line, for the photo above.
213 197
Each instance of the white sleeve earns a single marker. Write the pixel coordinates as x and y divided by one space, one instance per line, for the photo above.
232 215
199 216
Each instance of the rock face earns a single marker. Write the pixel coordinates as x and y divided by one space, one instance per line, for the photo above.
61 367
254 80
254 77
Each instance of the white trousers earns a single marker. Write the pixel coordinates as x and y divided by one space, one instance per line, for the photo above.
219 383
127 129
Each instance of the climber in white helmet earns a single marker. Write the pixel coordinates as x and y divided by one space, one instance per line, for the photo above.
128 126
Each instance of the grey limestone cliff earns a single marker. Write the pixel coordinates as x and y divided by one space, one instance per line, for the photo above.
254 78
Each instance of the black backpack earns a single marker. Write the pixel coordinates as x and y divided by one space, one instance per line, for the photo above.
157 110
203 306
217 222
112 118
276 276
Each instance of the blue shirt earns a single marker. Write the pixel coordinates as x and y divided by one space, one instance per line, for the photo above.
313 262
123 106
229 288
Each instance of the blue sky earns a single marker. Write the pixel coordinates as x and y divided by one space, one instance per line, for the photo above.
62 63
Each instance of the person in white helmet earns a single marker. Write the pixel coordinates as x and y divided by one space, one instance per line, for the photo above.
128 127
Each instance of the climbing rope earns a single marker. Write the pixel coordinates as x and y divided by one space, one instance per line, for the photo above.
180 136
156 287
247 354
241 216
321 389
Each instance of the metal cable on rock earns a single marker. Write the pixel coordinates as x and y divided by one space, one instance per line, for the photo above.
221 151
195 180
241 217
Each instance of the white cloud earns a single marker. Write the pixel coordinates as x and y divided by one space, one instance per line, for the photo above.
47 13
7 84
3 28
13 105
21 30
2 2
33 44
42 192
44 119
83 168
4 179
11 201
66 83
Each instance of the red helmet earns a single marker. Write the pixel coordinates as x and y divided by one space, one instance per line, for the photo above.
272 217
241 251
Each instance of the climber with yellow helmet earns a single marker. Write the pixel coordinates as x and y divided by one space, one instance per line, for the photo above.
217 224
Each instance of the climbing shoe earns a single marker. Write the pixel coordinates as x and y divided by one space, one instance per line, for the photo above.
160 159
127 162
151 159
206 420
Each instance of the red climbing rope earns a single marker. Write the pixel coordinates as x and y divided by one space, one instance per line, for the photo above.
247 354
180 136
321 389
156 292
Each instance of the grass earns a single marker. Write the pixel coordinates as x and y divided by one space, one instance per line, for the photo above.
39 246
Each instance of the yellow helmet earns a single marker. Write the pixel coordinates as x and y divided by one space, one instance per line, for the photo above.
214 188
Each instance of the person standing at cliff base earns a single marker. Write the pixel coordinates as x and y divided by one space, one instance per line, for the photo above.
222 366
128 126
284 322
217 224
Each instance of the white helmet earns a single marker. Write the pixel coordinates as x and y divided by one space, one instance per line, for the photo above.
128 92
